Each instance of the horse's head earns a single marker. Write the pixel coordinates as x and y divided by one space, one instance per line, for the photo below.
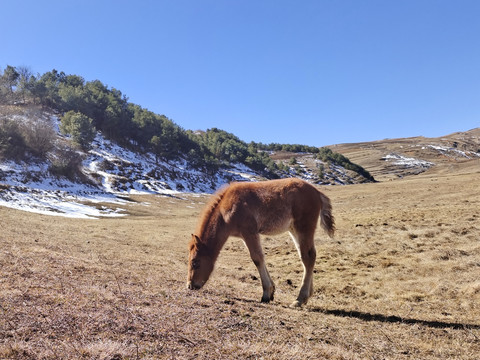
200 264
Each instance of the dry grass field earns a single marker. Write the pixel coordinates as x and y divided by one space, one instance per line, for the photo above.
401 280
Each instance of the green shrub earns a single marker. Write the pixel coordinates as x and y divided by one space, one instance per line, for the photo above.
80 127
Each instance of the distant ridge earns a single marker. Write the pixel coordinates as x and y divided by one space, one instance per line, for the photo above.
396 158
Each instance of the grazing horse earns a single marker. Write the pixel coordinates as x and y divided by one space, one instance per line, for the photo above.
248 209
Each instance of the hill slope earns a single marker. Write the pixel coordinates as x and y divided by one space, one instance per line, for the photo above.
44 172
397 158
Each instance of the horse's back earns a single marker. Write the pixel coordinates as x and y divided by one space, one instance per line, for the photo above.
269 207
264 194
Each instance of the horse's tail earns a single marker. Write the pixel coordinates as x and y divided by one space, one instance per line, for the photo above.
327 221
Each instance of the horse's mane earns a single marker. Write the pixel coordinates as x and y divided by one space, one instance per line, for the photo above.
209 210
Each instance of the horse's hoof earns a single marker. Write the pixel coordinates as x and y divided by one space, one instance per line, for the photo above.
296 304
266 299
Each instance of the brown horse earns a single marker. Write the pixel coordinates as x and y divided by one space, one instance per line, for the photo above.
248 209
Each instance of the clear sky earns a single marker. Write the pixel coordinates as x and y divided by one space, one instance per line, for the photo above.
315 72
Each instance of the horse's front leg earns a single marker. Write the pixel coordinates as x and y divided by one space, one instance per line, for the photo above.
256 253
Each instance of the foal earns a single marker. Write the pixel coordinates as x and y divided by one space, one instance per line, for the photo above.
247 210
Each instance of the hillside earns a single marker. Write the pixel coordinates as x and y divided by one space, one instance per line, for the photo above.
397 158
44 170
86 107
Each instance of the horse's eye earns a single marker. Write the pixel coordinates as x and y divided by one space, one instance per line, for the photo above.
195 264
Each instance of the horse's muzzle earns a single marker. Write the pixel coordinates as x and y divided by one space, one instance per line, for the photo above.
192 286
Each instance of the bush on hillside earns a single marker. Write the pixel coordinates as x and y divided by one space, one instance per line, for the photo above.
39 137
12 144
80 127
65 162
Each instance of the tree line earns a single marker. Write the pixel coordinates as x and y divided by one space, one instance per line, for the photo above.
88 106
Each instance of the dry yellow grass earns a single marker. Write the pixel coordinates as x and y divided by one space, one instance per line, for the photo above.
401 280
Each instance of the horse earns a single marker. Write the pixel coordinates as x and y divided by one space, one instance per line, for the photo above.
248 209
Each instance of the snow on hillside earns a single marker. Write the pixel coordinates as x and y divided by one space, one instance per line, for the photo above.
453 152
124 172
418 165
31 188
308 168
407 162
113 172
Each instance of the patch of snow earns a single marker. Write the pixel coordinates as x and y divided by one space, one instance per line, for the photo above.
56 203
407 162
243 173
453 152
127 172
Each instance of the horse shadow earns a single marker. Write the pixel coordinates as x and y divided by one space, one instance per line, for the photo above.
369 317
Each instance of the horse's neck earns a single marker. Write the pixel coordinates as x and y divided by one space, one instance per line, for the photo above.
215 233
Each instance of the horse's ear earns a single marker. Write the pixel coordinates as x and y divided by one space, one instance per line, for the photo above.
195 238
193 243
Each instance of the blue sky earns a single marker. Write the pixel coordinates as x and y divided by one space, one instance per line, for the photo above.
314 72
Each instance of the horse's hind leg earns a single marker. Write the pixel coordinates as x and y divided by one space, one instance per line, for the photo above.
306 249
256 253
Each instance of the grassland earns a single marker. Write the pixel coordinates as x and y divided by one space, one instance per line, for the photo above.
401 280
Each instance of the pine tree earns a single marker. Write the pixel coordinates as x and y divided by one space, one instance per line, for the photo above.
80 127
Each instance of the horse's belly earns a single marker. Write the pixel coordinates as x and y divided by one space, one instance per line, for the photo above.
275 225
